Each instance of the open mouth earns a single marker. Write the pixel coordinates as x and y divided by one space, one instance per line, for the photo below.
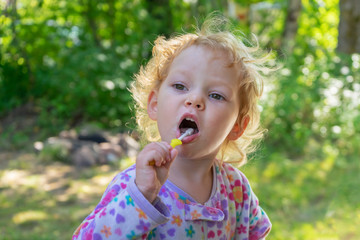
187 123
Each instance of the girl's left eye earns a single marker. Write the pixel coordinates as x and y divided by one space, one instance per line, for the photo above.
216 96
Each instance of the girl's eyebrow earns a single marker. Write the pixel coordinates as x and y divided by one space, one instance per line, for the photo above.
178 74
181 72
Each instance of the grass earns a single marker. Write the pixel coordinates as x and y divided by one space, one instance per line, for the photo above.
310 198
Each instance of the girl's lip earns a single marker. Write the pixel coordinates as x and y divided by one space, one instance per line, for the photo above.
190 138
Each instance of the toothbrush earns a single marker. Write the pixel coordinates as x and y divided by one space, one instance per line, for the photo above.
176 141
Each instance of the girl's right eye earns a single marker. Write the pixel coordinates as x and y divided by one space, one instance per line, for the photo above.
179 86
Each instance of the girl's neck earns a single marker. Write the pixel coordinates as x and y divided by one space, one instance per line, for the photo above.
193 176
191 169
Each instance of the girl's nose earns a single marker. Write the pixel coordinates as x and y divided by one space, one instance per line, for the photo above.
195 102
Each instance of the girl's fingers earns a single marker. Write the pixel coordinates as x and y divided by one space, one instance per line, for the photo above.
154 158
165 147
173 155
159 153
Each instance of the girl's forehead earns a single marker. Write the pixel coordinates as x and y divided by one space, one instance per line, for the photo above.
195 54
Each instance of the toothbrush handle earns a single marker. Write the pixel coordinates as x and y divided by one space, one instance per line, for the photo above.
175 142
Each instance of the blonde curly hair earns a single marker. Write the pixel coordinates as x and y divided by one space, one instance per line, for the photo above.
215 33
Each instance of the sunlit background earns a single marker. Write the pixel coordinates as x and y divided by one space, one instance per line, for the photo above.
68 64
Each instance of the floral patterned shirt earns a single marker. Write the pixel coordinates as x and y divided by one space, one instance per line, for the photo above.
232 211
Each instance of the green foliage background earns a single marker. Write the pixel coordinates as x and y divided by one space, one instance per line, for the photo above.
74 60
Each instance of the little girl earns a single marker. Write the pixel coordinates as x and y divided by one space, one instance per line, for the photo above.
209 82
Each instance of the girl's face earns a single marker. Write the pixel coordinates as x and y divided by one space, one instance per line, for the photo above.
200 92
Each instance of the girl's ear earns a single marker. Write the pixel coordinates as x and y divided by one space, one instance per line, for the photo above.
152 105
239 129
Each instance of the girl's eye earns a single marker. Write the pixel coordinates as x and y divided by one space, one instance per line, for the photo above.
179 86
216 96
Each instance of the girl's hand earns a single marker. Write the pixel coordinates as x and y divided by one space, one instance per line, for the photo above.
149 179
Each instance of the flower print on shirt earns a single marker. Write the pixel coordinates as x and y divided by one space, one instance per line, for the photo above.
89 234
195 215
125 177
223 190
109 197
107 231
129 201
239 193
143 226
163 192
132 235
179 200
230 178
241 229
103 213
151 234
176 220
190 231
141 213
